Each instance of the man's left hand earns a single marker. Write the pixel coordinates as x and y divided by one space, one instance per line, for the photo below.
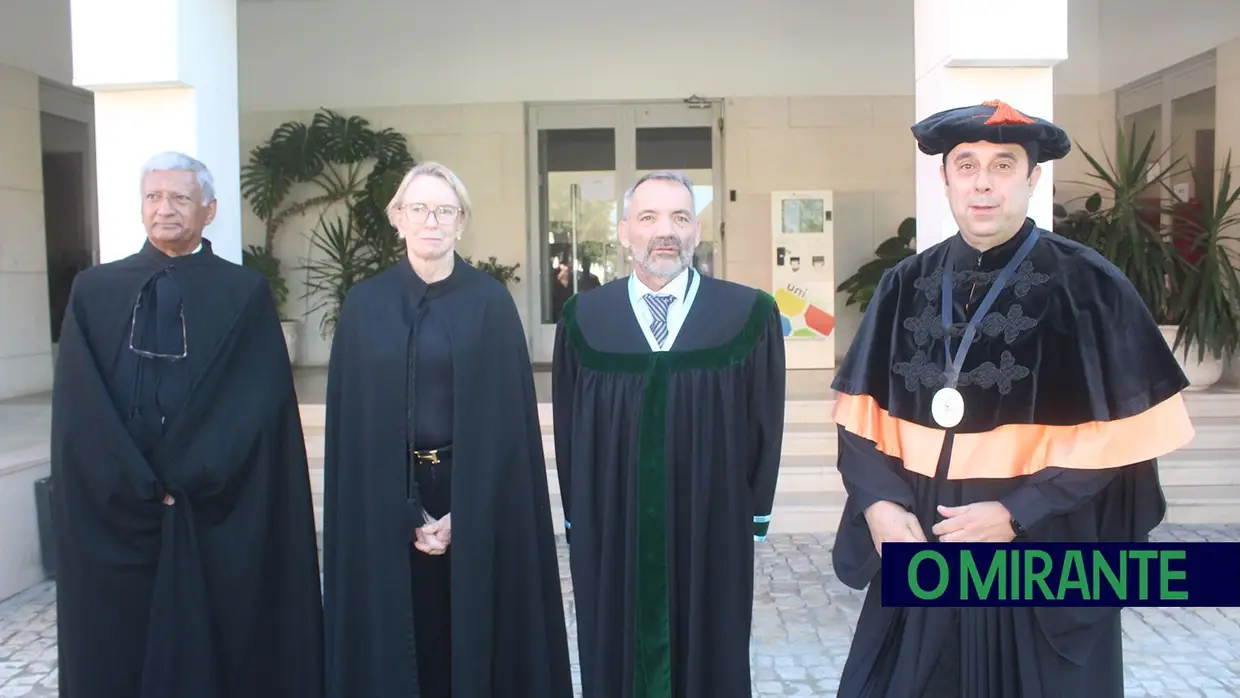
983 522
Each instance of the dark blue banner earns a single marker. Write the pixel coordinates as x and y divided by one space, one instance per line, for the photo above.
1061 574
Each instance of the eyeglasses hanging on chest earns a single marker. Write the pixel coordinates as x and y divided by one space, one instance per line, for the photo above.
167 322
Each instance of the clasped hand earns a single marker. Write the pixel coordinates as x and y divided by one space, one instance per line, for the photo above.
981 522
891 523
435 537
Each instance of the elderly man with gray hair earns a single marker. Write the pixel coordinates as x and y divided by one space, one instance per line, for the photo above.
186 557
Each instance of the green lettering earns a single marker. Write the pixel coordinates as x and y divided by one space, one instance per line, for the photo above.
1143 578
1014 589
1102 567
1073 565
972 577
944 576
1037 577
1166 575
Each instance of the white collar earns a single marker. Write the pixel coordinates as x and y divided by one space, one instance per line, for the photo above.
677 287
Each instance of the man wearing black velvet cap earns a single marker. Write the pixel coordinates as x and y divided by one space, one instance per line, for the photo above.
186 557
1005 383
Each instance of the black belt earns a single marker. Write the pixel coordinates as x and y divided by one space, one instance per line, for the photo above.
433 455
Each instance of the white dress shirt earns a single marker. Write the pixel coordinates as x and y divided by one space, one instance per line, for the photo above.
683 293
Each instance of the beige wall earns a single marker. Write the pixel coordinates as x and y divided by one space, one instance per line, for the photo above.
25 342
1227 107
858 147
861 149
1090 121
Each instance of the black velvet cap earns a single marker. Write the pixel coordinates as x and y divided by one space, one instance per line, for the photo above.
995 122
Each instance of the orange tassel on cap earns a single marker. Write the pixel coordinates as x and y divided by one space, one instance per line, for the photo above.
1005 115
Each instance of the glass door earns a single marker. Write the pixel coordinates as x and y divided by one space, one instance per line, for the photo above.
582 158
577 214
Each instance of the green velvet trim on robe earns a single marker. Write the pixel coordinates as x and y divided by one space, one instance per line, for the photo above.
653 654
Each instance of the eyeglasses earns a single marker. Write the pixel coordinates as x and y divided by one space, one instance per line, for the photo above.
133 324
420 213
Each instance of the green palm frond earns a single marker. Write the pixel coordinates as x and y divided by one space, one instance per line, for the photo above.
342 261
1127 229
1207 301
861 285
1186 276
345 162
347 140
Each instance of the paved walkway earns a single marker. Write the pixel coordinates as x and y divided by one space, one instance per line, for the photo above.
803 619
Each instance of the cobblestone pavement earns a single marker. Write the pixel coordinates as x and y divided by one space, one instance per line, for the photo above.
803 620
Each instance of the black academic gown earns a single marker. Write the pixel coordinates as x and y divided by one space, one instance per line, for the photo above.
667 464
508 637
216 596
1066 343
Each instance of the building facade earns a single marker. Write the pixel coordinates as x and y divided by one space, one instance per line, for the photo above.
548 116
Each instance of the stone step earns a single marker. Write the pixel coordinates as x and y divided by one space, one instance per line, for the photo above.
1196 484
1216 403
814 473
795 512
313 417
1203 504
806 439
819 512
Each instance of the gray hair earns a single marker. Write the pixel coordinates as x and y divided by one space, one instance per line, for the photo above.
662 176
171 161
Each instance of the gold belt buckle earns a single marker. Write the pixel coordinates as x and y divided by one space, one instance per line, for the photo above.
431 457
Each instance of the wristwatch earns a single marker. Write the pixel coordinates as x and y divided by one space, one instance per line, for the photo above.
1017 528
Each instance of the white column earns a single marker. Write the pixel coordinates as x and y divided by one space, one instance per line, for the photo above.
164 74
971 51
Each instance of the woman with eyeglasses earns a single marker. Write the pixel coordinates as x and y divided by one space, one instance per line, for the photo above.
440 571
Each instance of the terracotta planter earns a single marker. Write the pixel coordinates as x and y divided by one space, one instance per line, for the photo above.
1202 375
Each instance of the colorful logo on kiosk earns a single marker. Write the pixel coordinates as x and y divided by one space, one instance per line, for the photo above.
801 318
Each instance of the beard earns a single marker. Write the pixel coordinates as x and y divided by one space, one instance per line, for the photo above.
663 266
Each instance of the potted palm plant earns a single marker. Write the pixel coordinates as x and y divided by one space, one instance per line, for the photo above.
861 285
1123 222
344 169
1186 274
262 260
1206 304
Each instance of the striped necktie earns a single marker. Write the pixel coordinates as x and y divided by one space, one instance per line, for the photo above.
658 304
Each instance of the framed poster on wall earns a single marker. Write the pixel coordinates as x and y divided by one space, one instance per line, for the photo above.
803 275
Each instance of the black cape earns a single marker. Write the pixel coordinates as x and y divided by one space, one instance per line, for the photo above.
667 464
1067 366
508 633
218 595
